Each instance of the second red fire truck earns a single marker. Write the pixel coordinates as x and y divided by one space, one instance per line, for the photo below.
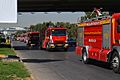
55 37
33 39
99 39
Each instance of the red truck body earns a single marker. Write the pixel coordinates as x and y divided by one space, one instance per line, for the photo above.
32 39
55 38
100 40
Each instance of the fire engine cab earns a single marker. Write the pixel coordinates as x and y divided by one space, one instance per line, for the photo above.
55 37
99 39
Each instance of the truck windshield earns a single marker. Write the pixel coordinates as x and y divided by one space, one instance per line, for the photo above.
58 32
34 36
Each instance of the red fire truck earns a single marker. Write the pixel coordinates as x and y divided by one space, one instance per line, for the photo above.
33 39
55 37
99 39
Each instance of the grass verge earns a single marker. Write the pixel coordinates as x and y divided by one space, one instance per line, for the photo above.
7 51
12 70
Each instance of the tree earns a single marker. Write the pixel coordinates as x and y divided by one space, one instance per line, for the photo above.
88 15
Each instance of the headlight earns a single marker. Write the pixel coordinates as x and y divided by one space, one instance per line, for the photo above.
66 44
66 41
52 45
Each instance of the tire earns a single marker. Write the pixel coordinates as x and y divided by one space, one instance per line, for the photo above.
41 48
65 49
85 59
115 63
30 47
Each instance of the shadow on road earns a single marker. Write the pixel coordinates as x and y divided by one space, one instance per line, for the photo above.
100 64
24 48
70 49
39 60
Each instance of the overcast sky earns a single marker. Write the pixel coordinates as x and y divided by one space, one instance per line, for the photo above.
8 11
27 19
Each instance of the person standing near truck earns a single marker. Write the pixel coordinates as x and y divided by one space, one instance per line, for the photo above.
8 42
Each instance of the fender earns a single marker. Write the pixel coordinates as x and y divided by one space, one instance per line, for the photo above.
115 48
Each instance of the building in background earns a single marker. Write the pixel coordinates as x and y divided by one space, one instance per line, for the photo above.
11 30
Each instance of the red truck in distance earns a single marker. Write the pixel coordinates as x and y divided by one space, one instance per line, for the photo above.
33 39
55 38
99 39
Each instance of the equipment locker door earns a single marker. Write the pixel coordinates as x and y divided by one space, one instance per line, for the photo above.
106 36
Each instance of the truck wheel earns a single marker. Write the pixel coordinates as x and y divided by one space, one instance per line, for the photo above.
30 47
65 49
85 57
116 62
40 48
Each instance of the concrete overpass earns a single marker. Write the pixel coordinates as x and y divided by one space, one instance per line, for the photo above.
67 5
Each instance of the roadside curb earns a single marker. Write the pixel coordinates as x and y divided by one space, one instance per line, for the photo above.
17 52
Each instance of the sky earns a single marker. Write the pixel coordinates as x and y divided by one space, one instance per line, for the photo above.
8 11
27 19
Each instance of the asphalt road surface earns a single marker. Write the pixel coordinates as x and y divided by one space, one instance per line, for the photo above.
60 65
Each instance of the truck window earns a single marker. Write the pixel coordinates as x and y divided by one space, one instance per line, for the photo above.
34 35
58 32
118 28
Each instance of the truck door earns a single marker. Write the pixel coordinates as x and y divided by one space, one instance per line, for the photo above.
46 40
117 35
106 41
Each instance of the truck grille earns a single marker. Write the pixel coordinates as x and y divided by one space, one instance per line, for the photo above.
59 42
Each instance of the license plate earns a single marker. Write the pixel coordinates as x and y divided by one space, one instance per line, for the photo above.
59 44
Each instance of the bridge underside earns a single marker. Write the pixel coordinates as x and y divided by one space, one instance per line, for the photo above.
67 5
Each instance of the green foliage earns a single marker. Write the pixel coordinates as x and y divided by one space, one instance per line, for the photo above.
13 71
88 15
7 51
20 32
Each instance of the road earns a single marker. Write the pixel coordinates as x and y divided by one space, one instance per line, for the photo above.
60 65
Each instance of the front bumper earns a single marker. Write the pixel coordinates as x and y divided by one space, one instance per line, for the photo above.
53 45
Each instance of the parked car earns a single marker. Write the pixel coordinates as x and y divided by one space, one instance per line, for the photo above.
71 42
